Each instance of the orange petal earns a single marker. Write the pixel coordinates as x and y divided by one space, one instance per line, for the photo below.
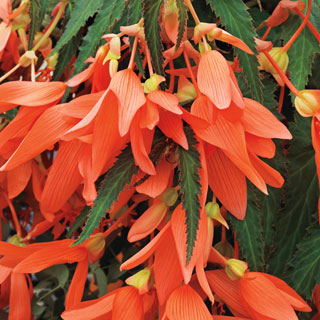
88 119
58 253
146 251
290 295
37 185
75 291
18 179
263 147
165 100
20 307
229 136
107 142
148 221
85 168
20 125
185 303
228 183
167 271
179 231
236 42
81 77
43 135
259 121
31 94
214 78
171 125
128 89
270 176
227 290
141 140
92 309
203 108
122 310
156 184
278 16
5 31
64 177
5 7
263 297
228 318
203 280
79 107
149 115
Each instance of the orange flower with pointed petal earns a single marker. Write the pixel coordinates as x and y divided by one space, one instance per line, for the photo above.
257 295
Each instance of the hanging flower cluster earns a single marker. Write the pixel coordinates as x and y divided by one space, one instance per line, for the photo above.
150 147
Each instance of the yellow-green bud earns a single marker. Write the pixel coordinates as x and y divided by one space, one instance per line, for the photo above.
235 268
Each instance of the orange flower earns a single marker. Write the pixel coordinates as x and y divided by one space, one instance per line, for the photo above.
58 252
257 296
234 144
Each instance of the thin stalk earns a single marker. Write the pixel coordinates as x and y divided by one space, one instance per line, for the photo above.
287 46
309 25
149 61
192 11
133 53
289 84
51 28
194 82
23 38
266 33
14 215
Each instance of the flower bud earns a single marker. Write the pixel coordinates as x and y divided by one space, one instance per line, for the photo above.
213 212
225 248
235 268
113 67
152 83
27 58
95 246
169 196
140 280
16 240
186 90
52 61
307 102
279 56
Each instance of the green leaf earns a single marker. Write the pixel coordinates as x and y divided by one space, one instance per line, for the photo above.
80 220
301 197
65 56
101 280
151 13
235 17
114 182
43 10
183 18
135 11
190 189
109 13
301 54
33 27
303 273
10 114
82 10
249 234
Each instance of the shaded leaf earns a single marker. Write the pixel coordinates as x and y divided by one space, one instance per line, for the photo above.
235 17
190 189
65 57
183 18
44 4
249 234
303 273
82 10
101 280
301 197
134 11
151 13
80 220
109 13
34 24
114 182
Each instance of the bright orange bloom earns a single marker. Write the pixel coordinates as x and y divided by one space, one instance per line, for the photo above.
234 145
257 296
